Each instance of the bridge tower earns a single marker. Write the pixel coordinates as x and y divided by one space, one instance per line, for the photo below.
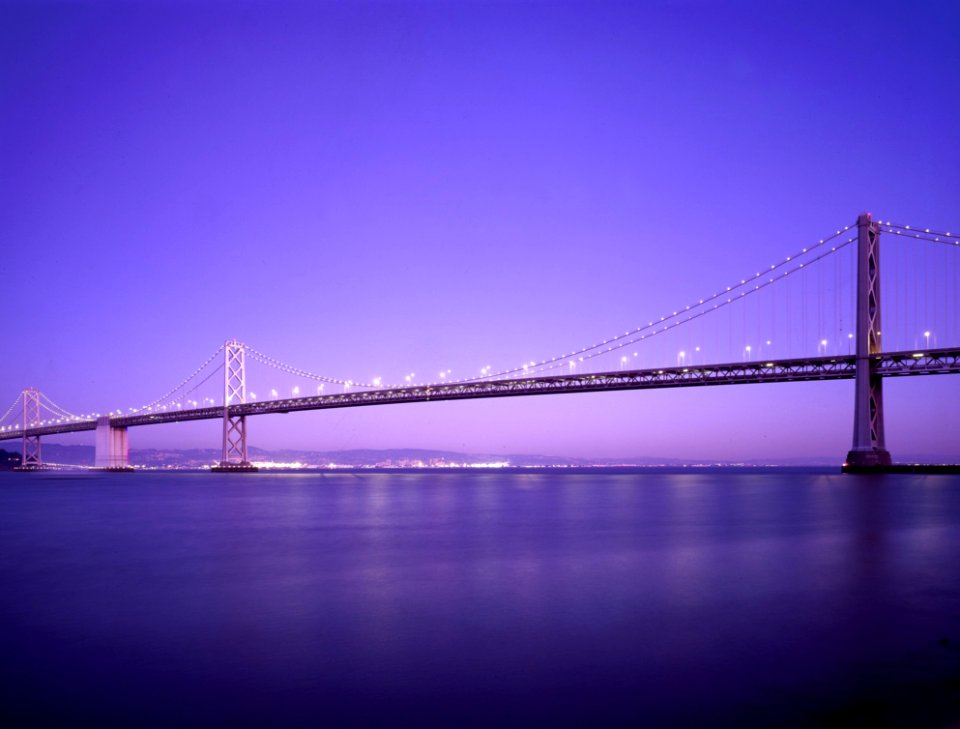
869 447
30 453
234 426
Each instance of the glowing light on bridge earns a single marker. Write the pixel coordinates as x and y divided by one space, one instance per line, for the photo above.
815 307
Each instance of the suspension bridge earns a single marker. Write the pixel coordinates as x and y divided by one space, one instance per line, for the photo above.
825 297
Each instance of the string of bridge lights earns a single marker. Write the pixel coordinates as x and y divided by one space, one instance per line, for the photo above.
589 352
166 401
17 400
652 328
690 312
952 239
299 372
164 398
545 365
60 415
183 396
62 411
668 322
535 368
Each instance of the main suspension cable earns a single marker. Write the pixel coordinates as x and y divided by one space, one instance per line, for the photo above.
696 313
196 372
665 318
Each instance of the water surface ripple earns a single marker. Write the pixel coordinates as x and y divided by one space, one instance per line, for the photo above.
480 599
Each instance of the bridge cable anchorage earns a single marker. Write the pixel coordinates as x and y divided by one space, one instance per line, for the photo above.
196 372
695 312
655 323
299 372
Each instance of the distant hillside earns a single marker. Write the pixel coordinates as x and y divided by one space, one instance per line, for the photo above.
83 455
9 460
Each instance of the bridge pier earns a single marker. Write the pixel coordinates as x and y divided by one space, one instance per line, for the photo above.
234 458
112 448
30 459
869 445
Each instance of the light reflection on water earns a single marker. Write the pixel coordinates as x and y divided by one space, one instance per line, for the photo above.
475 598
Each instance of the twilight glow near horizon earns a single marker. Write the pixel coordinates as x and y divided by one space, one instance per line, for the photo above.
370 190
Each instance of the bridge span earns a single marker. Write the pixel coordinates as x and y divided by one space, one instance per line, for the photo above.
866 363
892 364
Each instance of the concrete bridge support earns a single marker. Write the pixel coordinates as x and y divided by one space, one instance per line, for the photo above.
869 445
112 448
234 458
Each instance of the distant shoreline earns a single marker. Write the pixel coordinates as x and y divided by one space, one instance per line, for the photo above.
583 470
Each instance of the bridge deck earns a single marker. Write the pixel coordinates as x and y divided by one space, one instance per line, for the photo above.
893 364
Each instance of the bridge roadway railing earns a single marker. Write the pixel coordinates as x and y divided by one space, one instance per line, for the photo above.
892 364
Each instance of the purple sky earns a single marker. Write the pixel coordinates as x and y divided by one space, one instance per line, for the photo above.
371 190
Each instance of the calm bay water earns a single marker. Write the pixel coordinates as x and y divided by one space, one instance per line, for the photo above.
480 599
